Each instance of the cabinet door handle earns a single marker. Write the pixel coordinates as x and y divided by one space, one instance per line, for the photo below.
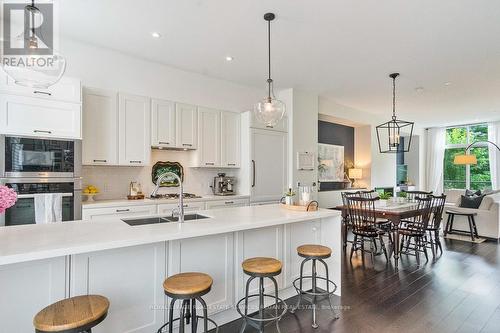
209 163
187 144
101 161
231 164
42 92
122 210
164 143
253 173
229 202
137 162
185 206
42 131
269 126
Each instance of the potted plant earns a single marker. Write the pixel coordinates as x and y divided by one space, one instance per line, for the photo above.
384 197
289 196
403 196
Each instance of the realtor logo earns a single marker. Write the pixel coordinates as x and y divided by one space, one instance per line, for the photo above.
28 46
28 29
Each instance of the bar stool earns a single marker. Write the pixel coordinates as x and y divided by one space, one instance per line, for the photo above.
314 253
72 315
261 267
187 287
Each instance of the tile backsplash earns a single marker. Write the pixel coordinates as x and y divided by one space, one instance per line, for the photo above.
113 181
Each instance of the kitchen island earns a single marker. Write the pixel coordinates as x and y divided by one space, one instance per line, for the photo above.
40 264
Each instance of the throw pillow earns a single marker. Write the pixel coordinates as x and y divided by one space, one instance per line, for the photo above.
470 193
471 201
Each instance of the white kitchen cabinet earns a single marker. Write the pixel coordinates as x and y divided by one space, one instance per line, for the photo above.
27 288
227 203
163 124
67 89
117 212
230 129
213 255
268 169
263 242
30 116
191 207
131 278
209 140
134 122
187 125
100 130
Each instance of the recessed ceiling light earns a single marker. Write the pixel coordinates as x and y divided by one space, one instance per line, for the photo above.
447 83
229 58
156 34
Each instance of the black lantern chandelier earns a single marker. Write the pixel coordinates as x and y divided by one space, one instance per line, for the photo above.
395 135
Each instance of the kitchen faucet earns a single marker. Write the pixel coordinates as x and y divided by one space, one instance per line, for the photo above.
162 177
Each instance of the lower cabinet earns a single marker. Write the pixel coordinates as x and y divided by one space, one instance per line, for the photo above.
227 203
117 212
213 255
27 288
131 278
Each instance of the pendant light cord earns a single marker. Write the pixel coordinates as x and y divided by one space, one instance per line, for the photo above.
269 80
394 98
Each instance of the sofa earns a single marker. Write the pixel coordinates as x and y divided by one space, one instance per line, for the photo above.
487 218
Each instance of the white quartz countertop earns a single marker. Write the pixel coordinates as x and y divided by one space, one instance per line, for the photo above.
147 201
42 241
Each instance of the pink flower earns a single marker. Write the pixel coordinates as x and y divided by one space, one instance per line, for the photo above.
8 198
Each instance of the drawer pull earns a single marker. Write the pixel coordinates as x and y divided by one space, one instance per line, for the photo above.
187 144
42 92
269 126
101 161
122 210
137 162
209 163
229 202
42 131
163 143
185 206
231 164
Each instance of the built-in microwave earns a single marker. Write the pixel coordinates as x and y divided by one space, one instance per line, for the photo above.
25 157
23 212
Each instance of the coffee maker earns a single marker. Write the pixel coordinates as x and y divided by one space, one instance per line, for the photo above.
224 185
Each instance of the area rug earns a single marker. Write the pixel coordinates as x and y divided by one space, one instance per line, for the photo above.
465 238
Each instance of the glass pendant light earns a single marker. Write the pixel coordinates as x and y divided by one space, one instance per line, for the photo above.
270 110
38 65
395 135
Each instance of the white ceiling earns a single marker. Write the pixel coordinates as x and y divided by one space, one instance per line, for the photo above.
342 49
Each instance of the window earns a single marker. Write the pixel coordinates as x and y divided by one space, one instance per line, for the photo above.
474 177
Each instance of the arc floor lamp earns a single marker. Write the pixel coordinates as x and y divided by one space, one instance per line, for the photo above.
468 159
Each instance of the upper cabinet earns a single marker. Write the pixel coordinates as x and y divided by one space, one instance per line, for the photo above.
67 89
134 136
187 125
116 128
53 112
209 138
163 124
218 139
100 127
230 139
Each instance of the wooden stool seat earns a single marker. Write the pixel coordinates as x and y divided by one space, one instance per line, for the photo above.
72 313
187 284
314 251
262 266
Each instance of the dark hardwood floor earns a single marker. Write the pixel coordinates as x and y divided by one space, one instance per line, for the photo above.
460 292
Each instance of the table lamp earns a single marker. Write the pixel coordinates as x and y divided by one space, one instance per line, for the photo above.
354 174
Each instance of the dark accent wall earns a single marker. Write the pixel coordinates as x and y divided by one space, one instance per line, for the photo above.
335 134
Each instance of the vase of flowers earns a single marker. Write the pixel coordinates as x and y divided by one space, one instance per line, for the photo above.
8 198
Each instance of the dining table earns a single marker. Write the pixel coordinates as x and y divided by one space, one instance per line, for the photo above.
395 212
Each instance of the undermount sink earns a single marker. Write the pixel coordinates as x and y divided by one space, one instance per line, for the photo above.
164 219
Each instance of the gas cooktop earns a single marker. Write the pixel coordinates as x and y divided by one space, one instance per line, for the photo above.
175 196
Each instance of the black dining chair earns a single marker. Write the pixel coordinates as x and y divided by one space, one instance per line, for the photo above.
412 232
432 237
365 226
412 196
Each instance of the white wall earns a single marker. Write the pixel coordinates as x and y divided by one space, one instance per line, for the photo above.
103 68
